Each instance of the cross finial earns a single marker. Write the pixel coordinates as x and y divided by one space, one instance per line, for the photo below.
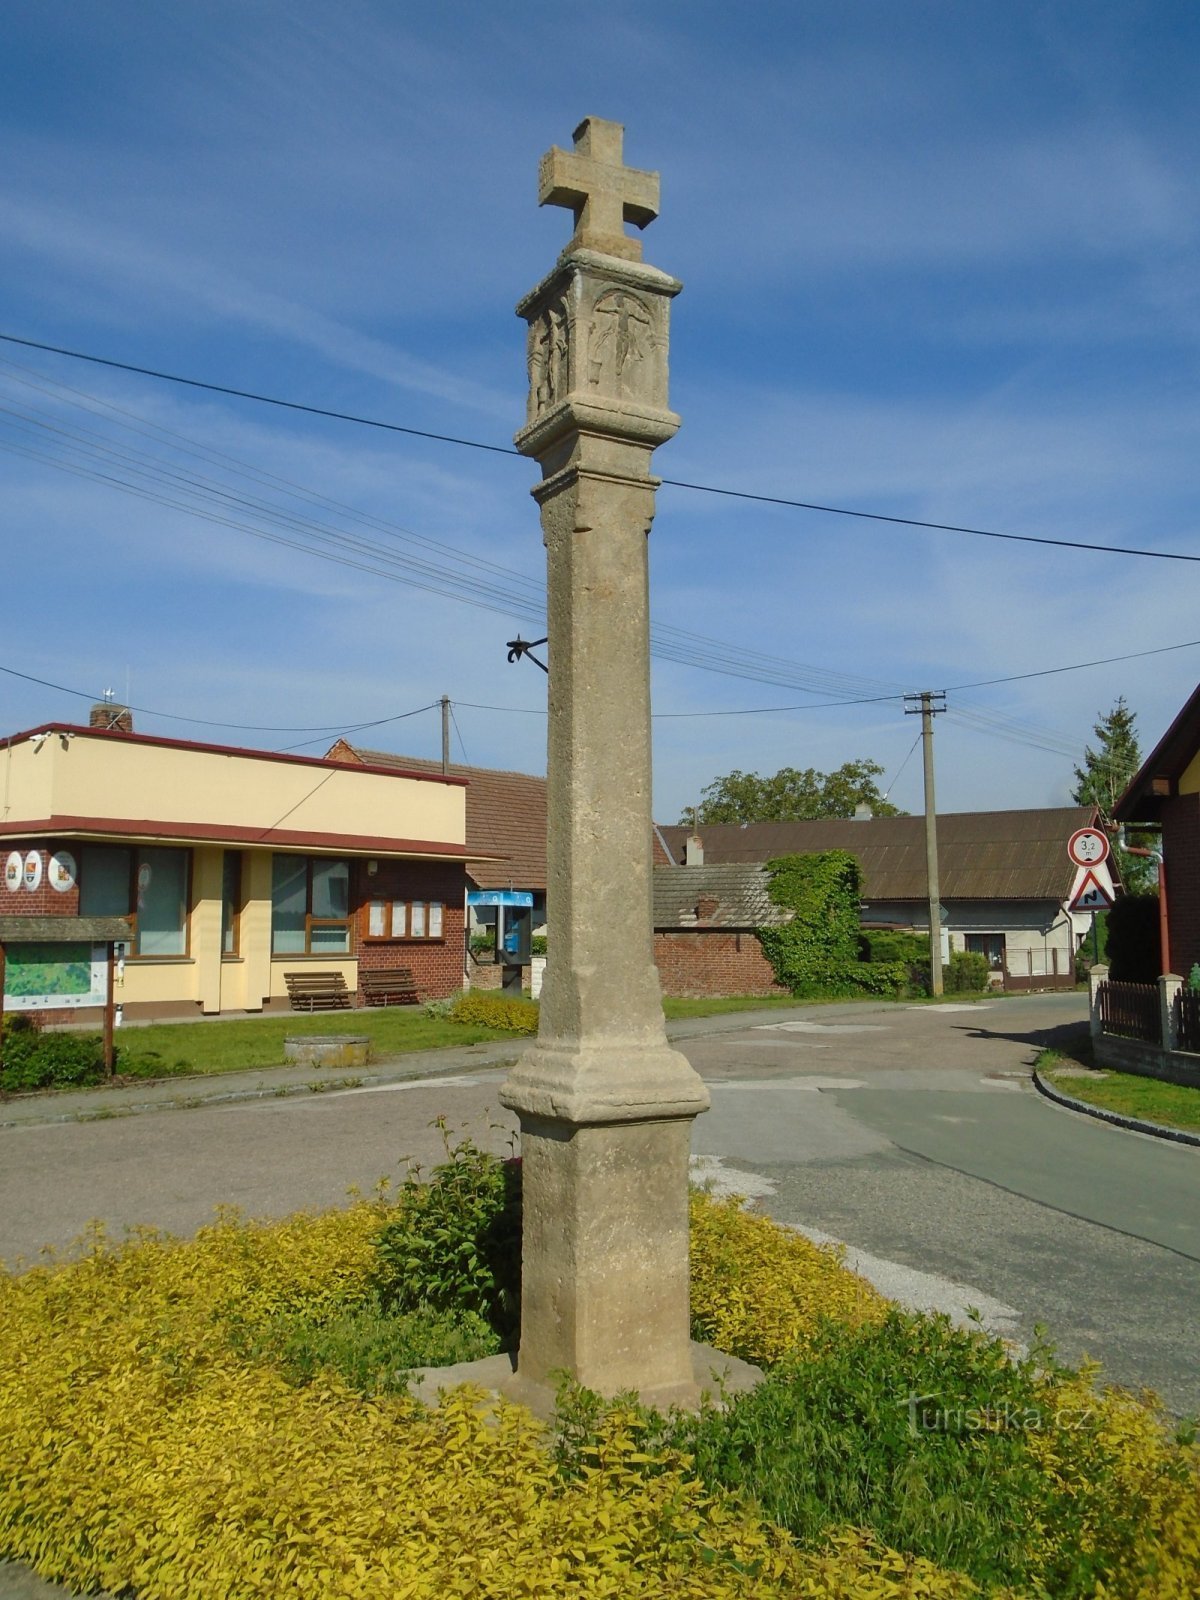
594 183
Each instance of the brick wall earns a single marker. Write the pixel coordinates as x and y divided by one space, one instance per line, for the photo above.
43 901
713 963
1181 851
436 964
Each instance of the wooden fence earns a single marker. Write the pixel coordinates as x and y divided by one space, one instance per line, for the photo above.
1187 1020
1131 1011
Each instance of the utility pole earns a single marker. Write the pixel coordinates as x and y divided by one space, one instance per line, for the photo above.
445 734
930 703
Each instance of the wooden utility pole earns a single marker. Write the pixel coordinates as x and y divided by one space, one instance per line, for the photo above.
930 703
445 734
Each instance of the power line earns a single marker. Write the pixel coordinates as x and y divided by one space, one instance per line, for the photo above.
1049 672
261 399
699 651
674 483
207 722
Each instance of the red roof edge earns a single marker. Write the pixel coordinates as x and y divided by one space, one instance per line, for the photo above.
113 734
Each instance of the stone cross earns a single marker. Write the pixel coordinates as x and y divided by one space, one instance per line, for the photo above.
594 183
606 1106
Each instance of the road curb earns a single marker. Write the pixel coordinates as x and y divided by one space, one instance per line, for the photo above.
1130 1124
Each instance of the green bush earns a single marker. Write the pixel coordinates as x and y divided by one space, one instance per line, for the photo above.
818 951
37 1060
454 1243
910 950
894 944
537 944
966 973
924 1434
371 1349
487 1010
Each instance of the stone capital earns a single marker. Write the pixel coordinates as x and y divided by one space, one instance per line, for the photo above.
597 352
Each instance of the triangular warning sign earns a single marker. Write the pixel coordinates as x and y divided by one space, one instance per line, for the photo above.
1089 892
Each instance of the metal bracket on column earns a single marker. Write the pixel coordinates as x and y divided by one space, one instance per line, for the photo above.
519 647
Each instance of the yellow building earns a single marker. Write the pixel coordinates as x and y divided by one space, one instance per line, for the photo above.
234 866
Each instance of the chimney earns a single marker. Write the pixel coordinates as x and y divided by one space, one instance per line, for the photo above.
863 812
111 718
693 851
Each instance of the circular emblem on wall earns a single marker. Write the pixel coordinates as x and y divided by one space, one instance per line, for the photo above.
14 870
61 871
33 869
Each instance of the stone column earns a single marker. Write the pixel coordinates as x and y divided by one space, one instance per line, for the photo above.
605 1105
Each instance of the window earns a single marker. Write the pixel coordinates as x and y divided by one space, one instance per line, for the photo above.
405 919
143 882
990 945
310 906
231 902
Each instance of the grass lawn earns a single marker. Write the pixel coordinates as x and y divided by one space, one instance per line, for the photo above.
169 1049
1171 1104
164 1049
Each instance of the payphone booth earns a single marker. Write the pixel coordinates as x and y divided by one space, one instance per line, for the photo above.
513 913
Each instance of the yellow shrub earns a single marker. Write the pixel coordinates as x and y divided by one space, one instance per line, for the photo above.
495 1011
758 1290
137 1450
1113 1459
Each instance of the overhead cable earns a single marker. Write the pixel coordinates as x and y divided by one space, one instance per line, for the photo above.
674 483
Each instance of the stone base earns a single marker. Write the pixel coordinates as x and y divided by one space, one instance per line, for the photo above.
328 1049
713 1376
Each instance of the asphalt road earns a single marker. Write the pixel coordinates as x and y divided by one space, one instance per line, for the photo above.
912 1134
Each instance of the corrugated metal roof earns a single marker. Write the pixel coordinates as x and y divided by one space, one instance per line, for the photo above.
982 855
506 817
714 897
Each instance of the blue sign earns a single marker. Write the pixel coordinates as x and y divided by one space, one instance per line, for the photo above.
500 897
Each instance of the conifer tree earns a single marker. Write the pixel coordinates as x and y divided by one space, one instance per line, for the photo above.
1103 778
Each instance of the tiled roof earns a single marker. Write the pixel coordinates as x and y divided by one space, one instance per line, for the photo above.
714 897
982 855
506 817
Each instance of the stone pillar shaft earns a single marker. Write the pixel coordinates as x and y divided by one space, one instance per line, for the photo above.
605 1104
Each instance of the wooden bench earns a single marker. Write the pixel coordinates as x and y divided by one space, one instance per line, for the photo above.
317 991
390 986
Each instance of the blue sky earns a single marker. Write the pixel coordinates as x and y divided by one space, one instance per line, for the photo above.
939 261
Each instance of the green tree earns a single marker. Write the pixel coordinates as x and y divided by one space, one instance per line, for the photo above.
1103 778
792 795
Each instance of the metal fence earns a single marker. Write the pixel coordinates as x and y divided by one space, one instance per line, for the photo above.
1130 1010
1187 1020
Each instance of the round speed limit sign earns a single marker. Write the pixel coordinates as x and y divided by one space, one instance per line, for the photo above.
1087 847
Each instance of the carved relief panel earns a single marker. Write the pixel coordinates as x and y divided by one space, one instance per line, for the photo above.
548 352
601 340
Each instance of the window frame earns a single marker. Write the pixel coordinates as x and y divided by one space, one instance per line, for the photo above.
133 853
232 903
310 921
995 964
407 936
